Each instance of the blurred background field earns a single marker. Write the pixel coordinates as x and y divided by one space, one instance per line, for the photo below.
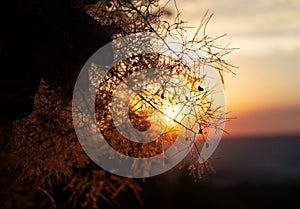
253 172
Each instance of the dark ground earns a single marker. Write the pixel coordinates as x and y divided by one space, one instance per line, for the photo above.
252 173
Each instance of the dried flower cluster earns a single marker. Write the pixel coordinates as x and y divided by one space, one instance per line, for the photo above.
43 148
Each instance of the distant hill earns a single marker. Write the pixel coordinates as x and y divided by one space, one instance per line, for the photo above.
273 159
252 173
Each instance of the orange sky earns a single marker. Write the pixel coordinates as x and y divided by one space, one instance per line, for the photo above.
264 96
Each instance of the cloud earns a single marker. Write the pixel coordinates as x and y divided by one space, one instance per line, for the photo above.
271 25
266 122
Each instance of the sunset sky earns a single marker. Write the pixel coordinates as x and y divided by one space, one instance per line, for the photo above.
264 95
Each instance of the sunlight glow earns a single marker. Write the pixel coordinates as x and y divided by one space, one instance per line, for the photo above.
171 113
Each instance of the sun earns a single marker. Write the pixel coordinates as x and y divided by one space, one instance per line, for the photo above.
161 107
171 113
